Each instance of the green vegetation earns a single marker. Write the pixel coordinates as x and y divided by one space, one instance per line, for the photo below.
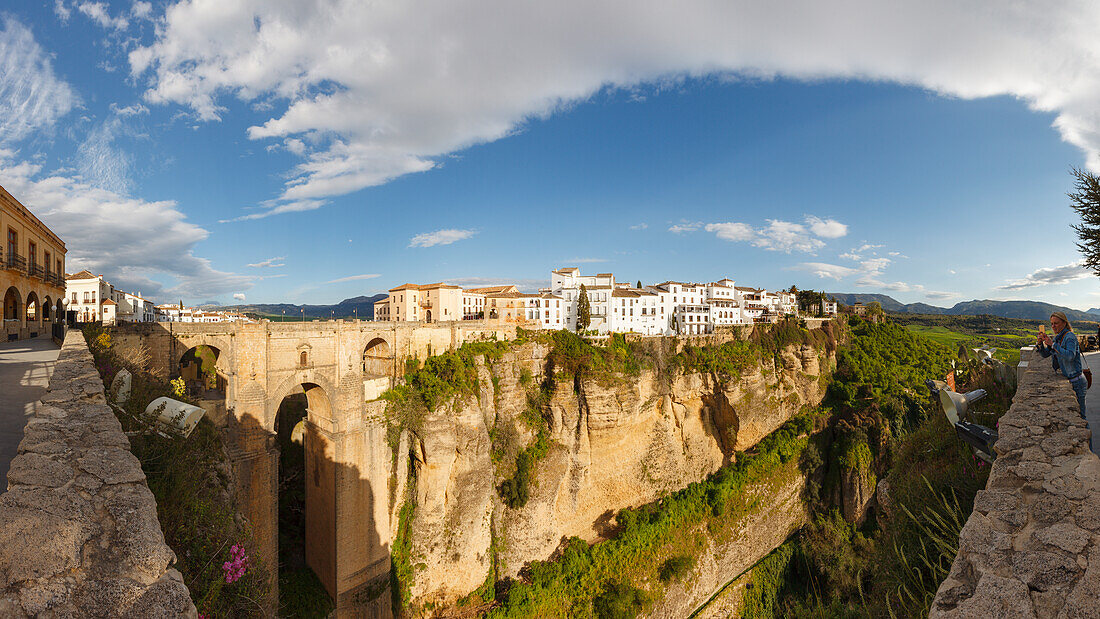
198 522
1007 335
883 425
401 567
676 568
587 581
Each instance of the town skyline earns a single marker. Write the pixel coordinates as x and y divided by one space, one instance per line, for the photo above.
183 180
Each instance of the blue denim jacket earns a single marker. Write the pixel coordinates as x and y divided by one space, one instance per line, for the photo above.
1067 353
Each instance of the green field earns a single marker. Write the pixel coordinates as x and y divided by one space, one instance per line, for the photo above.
1008 346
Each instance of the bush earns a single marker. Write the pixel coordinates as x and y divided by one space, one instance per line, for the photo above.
619 601
676 568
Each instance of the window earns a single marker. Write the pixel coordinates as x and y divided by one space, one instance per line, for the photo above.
303 358
74 298
32 251
13 243
46 262
60 271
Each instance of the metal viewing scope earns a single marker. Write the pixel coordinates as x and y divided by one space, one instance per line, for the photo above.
956 405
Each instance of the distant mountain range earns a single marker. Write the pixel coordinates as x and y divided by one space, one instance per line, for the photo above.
1026 310
361 306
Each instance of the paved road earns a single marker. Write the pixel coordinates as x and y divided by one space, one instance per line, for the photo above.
25 370
1092 400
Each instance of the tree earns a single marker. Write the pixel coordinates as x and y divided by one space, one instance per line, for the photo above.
639 284
584 310
1085 199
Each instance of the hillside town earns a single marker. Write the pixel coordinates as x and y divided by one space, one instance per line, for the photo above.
667 308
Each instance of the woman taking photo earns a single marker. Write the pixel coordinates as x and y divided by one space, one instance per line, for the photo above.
1067 355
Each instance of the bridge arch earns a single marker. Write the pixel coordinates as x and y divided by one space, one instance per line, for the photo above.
321 396
306 496
378 358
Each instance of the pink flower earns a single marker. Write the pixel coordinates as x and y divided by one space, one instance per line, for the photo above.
237 565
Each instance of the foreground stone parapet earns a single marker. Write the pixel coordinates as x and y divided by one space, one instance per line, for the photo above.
1031 547
79 535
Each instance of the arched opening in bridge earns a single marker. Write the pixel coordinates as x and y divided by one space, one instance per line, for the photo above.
32 309
12 305
199 369
306 506
377 359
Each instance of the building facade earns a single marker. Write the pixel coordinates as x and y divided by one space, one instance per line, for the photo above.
32 272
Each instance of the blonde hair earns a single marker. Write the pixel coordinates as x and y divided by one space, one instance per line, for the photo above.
1062 316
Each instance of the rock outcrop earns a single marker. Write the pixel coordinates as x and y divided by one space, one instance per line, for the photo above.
79 535
614 443
1031 547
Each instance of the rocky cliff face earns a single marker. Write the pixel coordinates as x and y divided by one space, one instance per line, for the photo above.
614 443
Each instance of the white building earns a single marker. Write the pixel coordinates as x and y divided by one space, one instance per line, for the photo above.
829 308
88 295
134 308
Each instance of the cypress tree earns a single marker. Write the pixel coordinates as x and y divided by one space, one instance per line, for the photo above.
584 310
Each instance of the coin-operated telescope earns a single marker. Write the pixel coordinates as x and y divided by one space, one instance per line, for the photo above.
956 406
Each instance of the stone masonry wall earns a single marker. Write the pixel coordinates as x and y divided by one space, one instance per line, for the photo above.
1031 547
79 535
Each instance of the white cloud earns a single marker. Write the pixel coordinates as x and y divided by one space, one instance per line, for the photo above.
641 226
129 240
63 12
287 207
103 164
353 278
826 228
1048 276
239 296
940 295
732 231
685 226
779 235
270 262
786 236
32 97
141 10
97 12
136 109
440 237
402 84
825 270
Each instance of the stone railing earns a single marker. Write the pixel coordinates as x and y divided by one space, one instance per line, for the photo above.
1031 547
79 535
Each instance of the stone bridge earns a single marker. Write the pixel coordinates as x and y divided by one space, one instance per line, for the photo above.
1031 547
342 367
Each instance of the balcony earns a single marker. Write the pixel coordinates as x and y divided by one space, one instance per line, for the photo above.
55 279
38 271
15 262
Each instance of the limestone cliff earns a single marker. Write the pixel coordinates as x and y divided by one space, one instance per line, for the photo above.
613 443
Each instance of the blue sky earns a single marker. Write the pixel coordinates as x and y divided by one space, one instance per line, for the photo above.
263 151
